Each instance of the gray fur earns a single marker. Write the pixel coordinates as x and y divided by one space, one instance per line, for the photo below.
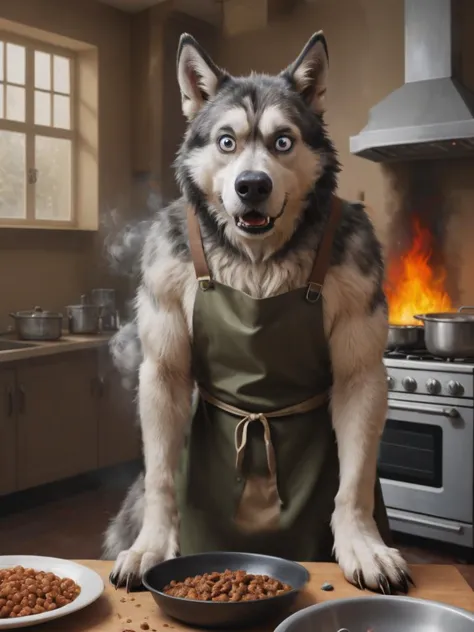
125 527
355 240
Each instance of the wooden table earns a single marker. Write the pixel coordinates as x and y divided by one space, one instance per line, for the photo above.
116 611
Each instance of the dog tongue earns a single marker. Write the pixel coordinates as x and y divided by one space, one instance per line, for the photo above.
254 219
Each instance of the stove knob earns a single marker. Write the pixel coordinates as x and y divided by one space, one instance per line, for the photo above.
433 386
409 384
390 382
456 389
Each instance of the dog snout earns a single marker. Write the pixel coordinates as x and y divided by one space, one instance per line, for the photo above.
253 187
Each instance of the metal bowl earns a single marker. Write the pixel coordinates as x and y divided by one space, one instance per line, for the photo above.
379 614
212 614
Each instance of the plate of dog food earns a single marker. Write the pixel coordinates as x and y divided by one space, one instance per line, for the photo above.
225 589
36 589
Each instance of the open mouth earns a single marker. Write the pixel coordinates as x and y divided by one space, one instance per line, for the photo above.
254 222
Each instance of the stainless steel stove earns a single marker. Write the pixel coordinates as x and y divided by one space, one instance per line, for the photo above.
427 450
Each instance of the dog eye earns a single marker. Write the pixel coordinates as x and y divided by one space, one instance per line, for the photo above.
283 144
227 144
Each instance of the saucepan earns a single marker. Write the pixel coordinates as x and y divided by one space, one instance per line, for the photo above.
406 337
449 334
38 324
379 614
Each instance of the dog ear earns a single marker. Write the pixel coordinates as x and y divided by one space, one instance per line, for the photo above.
308 73
198 76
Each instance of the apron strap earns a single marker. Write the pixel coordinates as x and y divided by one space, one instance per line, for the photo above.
198 256
323 256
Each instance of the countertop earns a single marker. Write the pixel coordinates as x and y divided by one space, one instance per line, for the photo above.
115 611
65 344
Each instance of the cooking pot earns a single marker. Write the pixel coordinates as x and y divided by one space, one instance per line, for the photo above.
405 337
83 318
38 324
105 299
449 334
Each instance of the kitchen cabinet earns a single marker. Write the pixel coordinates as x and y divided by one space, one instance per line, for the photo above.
57 418
63 415
119 434
8 428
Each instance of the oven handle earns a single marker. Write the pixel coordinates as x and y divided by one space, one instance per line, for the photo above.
423 522
452 413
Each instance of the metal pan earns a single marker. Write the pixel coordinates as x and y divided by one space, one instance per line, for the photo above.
449 334
405 337
221 615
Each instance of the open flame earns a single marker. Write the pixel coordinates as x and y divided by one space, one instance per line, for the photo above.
413 286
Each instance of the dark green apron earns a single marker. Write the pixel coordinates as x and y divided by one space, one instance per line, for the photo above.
256 477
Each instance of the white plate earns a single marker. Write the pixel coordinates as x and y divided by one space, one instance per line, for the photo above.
90 582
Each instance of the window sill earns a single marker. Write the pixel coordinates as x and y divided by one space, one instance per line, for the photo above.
47 225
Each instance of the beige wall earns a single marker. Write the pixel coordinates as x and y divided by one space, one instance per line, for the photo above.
53 268
365 39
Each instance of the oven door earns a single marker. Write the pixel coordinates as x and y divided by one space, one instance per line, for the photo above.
426 459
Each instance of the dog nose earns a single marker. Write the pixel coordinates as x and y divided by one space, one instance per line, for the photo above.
253 187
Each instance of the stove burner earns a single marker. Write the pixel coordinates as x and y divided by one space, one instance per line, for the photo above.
423 355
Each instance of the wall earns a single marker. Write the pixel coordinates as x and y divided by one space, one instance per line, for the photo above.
53 268
157 121
366 40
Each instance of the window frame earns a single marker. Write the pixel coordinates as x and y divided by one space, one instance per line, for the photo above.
31 129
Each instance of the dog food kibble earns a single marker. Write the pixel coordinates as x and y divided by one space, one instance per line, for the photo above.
24 591
227 586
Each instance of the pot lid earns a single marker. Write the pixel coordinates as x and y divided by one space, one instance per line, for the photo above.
446 317
83 304
37 312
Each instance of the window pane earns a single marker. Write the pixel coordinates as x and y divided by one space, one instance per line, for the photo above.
1 61
15 103
53 186
15 63
12 175
42 108
61 112
61 74
1 100
42 70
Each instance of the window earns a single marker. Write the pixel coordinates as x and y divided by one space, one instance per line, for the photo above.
37 134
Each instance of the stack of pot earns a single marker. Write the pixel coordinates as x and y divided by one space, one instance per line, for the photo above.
104 299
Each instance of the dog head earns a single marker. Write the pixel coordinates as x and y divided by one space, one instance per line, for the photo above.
255 146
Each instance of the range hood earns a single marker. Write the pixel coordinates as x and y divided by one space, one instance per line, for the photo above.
432 114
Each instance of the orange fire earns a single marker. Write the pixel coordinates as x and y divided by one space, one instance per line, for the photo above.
413 286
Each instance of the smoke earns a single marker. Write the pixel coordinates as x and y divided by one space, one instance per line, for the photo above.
124 241
123 244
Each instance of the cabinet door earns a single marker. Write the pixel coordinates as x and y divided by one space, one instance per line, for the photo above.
8 430
119 433
57 418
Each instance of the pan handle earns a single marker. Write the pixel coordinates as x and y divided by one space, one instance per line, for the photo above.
420 317
464 308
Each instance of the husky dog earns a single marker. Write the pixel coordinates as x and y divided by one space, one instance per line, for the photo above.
273 125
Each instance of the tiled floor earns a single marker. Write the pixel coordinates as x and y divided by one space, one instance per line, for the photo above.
72 527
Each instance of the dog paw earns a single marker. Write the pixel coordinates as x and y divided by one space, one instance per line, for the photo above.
365 560
132 564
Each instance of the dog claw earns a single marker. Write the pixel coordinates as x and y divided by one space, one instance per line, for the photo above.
408 578
384 585
359 579
128 583
113 579
402 583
